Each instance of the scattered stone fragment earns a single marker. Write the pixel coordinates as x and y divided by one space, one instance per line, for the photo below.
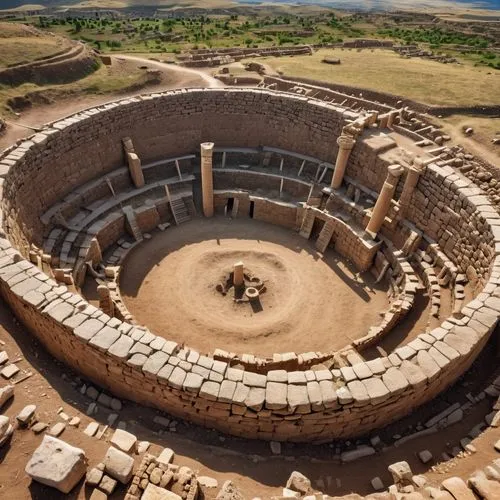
4 357
57 464
94 476
9 371
275 447
497 446
208 482
124 441
143 446
74 422
377 484
299 483
166 456
57 429
153 492
401 472
6 429
39 427
25 415
107 484
98 495
118 465
229 492
91 429
6 393
289 493
425 456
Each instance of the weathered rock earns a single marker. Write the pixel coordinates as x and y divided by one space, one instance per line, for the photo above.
229 492
94 476
57 429
486 489
300 483
118 465
208 482
425 456
5 394
377 484
57 464
107 484
91 429
6 429
401 472
275 447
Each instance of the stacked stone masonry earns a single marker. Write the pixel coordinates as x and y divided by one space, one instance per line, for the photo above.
302 405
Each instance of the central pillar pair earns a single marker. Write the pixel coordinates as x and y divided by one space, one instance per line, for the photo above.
346 143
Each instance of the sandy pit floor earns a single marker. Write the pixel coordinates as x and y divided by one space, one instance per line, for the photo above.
311 303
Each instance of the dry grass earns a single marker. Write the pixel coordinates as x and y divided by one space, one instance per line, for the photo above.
17 50
383 70
114 80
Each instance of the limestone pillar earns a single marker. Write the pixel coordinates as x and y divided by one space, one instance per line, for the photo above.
134 167
105 300
207 181
238 278
411 182
383 203
346 143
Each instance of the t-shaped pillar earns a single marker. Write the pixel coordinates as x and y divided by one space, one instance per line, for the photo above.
238 277
384 200
346 143
207 181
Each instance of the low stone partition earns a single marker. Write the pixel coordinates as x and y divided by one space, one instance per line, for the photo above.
315 402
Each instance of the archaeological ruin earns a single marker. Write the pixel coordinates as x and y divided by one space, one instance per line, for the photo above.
281 214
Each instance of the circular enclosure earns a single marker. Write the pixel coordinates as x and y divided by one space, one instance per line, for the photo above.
86 194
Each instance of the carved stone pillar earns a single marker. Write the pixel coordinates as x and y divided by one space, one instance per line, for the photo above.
238 278
411 181
384 199
207 181
346 143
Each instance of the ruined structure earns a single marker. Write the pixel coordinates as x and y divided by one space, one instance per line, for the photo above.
343 178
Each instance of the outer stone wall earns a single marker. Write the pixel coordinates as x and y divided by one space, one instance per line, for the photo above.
313 404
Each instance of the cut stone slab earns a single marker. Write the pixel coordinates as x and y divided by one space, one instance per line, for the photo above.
57 464
74 422
166 456
25 415
91 429
118 465
39 427
401 472
377 484
9 371
457 487
124 441
153 492
98 495
57 429
208 482
275 447
5 394
4 357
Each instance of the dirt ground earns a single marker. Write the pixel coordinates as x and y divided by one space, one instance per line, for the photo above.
168 283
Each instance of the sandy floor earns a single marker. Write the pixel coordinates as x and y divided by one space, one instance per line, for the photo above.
311 303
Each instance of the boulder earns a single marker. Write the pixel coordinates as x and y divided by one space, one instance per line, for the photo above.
57 464
118 465
124 440
300 483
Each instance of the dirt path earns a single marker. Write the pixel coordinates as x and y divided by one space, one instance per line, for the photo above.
209 81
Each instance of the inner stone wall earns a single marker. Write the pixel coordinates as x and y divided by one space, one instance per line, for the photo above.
89 145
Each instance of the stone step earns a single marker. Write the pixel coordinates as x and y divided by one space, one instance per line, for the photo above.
179 211
324 236
132 222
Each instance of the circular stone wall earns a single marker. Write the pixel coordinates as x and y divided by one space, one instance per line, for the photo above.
312 402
